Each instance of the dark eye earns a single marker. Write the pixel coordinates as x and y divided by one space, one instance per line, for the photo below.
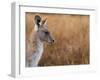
46 32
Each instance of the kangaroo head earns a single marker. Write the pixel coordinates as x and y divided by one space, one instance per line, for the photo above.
42 30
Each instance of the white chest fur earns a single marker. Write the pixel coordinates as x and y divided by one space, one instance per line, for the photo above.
38 54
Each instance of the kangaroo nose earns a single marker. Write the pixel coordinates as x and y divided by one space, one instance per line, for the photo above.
53 41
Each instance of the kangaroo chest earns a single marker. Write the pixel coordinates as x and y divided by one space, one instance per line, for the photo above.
38 53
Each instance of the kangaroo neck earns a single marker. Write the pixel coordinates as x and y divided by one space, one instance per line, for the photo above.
38 54
39 44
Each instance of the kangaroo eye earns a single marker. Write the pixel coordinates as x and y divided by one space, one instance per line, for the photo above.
46 32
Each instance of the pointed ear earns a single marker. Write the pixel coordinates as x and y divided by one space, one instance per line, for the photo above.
37 20
44 21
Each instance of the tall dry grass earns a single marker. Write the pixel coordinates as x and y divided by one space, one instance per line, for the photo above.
71 33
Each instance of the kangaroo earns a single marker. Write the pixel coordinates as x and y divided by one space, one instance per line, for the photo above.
34 46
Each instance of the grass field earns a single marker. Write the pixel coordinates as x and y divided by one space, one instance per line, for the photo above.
71 33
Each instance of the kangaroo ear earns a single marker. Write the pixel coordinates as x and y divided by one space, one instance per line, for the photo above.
37 20
44 21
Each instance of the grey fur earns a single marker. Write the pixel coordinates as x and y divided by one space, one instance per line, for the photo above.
42 35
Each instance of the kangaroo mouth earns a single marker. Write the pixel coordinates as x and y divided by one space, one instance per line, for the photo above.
51 42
